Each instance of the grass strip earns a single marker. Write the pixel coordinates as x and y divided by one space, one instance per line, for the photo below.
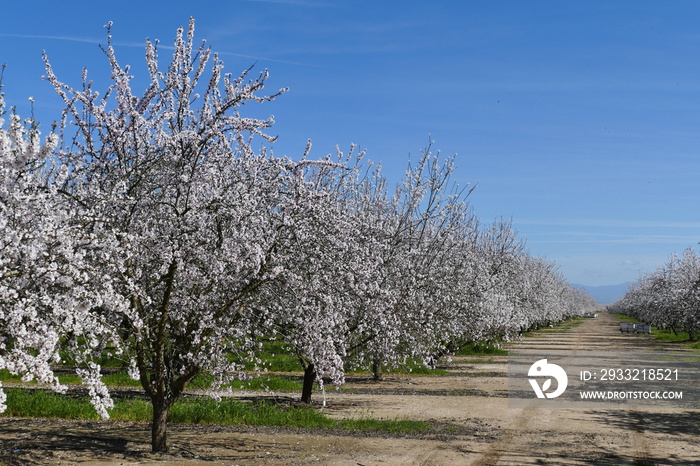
626 318
481 349
661 334
200 410
44 404
564 325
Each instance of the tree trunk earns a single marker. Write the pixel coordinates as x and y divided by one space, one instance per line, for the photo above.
159 434
309 379
377 370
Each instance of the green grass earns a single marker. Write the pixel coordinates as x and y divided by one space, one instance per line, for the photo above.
558 327
114 379
480 349
414 367
279 362
40 403
118 379
565 325
625 318
275 356
661 334
199 410
234 412
263 382
417 369
573 322
396 427
274 383
5 376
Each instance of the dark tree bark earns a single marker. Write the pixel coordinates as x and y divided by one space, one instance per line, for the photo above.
309 379
159 433
377 370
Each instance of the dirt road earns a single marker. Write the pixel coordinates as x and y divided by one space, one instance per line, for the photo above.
469 409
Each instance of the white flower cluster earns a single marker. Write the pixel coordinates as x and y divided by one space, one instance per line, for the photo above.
35 250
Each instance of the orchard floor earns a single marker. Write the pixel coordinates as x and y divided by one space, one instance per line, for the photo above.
469 411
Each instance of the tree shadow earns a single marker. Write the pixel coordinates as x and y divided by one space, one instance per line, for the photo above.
673 423
33 442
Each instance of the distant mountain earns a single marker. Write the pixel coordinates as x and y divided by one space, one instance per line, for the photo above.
606 294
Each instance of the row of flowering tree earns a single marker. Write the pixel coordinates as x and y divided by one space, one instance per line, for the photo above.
668 297
147 228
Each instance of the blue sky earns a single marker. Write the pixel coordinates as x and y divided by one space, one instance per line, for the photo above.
578 120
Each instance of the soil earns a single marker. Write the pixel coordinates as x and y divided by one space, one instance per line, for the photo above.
472 424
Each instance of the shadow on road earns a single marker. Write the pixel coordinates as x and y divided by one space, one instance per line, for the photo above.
672 423
33 442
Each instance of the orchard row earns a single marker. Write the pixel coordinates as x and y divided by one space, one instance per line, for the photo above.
669 297
147 227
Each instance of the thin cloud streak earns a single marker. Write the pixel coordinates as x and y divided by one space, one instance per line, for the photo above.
291 2
72 39
665 239
143 45
610 223
275 60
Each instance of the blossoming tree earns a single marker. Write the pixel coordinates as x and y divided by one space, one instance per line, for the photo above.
668 297
198 216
